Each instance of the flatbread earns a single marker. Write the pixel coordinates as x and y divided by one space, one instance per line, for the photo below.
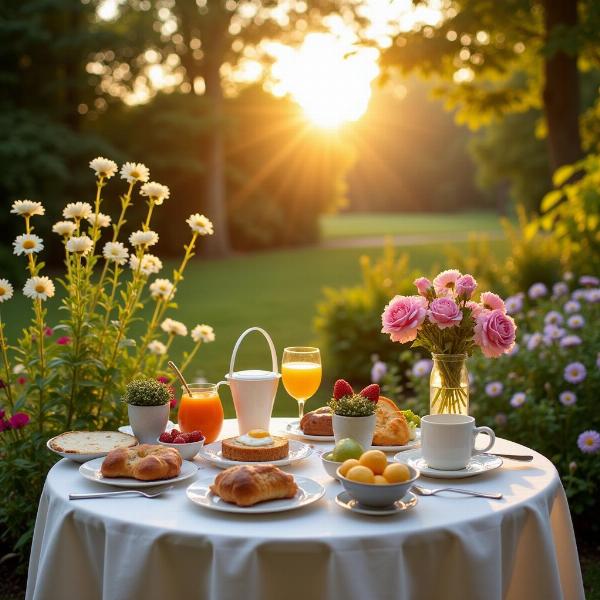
91 442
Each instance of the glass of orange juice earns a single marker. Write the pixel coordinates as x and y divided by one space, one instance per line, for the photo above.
301 373
202 410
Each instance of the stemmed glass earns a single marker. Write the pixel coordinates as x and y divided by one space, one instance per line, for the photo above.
301 373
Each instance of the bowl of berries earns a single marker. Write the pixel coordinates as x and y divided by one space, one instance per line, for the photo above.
187 444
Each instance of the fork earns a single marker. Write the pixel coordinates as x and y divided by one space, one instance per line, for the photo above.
428 492
119 494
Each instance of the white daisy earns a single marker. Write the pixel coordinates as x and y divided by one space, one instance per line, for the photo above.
200 224
115 252
203 333
150 264
143 238
39 288
80 244
77 210
100 219
27 243
155 191
18 369
161 288
6 290
131 172
103 167
157 347
65 228
173 327
27 208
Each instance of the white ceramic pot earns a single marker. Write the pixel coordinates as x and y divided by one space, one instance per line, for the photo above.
360 429
148 422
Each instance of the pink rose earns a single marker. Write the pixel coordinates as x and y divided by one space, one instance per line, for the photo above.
465 286
445 282
492 301
444 312
18 420
403 316
495 333
423 285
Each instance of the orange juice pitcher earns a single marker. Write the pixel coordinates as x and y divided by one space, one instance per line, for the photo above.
201 410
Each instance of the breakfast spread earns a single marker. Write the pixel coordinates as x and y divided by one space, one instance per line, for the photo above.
90 442
257 445
246 485
317 422
145 462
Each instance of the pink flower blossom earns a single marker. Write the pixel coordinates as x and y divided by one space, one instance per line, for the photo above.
65 340
445 282
465 286
49 331
403 316
19 420
162 379
444 312
21 380
423 285
492 301
4 425
173 402
495 333
476 309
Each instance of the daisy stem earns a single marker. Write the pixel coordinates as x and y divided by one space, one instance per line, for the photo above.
7 383
41 332
150 209
76 340
162 358
189 357
111 300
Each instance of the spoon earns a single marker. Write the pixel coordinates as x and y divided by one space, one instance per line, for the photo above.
173 366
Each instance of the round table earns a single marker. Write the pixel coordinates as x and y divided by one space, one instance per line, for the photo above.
446 547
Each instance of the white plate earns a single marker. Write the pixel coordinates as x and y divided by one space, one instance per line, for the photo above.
344 500
410 446
479 463
212 453
77 457
309 491
127 428
293 428
91 470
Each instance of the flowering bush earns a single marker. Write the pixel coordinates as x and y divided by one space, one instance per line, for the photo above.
72 374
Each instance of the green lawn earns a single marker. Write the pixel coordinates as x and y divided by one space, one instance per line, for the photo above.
276 290
379 224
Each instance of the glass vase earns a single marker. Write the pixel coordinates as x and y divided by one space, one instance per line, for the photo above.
449 384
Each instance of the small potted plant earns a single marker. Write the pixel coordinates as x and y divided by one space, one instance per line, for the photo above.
148 404
354 414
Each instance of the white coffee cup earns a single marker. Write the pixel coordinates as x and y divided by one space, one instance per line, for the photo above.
448 441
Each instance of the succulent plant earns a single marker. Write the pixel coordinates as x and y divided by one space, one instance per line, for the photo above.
147 392
353 405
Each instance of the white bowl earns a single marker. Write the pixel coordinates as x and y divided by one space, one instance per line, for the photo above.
187 451
331 466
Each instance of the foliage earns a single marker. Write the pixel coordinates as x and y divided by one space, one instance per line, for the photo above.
352 406
72 375
147 392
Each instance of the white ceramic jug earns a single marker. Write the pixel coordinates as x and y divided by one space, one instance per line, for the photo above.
253 390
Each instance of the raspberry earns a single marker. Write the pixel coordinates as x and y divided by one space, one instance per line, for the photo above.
187 437
165 437
179 440
175 432
371 392
196 436
342 388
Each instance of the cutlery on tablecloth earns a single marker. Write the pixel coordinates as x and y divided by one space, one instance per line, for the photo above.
428 492
152 494
521 457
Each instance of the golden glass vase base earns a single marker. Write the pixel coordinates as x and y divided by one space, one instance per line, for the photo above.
449 385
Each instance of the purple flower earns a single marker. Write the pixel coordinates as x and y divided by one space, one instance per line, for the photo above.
589 441
534 341
518 400
514 350
572 306
514 304
553 318
500 419
567 398
575 372
537 290
494 388
579 294
465 286
444 312
589 281
593 295
552 332
560 289
19 420
378 371
422 367
576 322
569 341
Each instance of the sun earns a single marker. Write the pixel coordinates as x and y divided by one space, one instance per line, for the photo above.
331 80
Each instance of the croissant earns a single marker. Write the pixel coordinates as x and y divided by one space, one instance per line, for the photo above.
246 485
145 462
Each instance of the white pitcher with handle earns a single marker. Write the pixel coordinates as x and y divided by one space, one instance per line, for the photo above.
253 390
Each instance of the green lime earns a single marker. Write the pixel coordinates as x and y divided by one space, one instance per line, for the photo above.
345 449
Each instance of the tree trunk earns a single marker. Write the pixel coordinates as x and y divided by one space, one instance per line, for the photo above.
561 92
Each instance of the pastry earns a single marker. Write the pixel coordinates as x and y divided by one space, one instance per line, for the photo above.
317 422
90 442
255 446
246 485
145 462
391 426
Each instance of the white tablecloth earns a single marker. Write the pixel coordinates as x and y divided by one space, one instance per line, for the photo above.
167 548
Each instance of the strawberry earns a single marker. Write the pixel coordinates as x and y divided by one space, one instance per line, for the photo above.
371 392
165 437
342 388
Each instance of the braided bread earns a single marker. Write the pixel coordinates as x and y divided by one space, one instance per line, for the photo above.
145 462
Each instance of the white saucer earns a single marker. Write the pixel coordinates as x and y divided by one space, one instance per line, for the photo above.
212 453
478 464
293 428
127 428
412 444
91 470
346 501
309 491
